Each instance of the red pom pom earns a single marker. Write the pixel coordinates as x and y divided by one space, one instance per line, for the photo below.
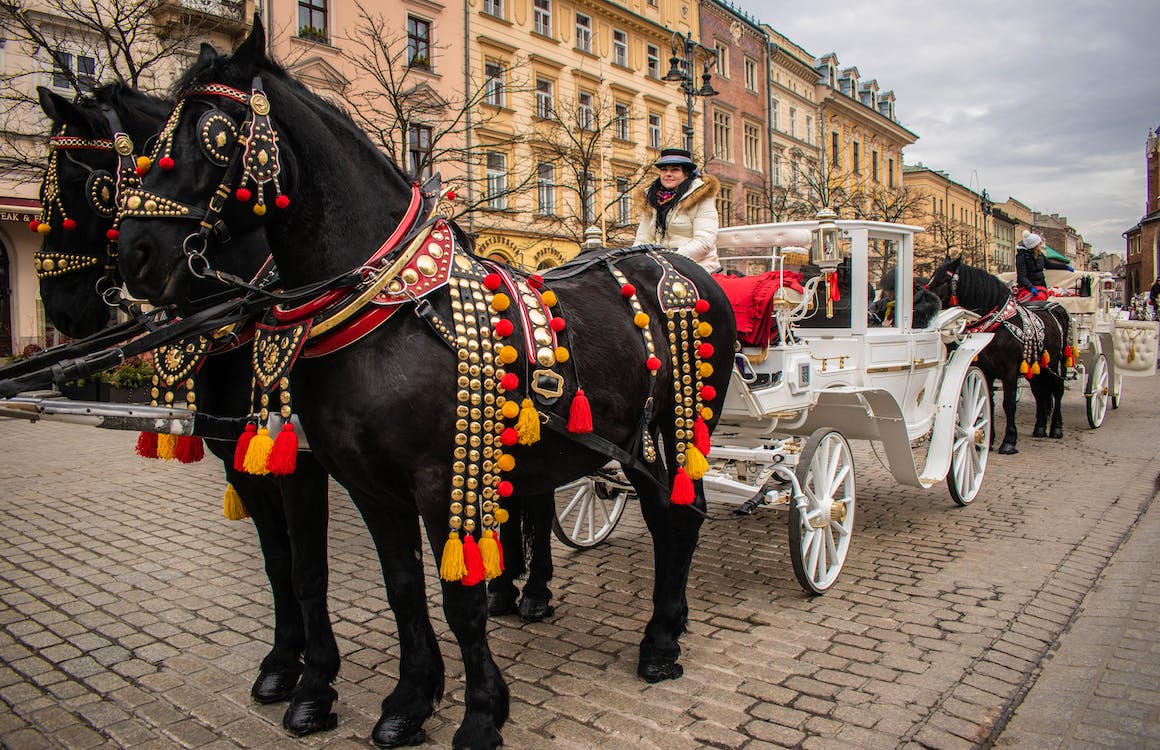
147 445
243 194
510 381
112 235
653 364
504 488
282 201
492 281
705 350
69 224
702 306
556 324
34 225
141 171
243 446
535 281
509 436
450 195
708 393
627 290
166 163
504 327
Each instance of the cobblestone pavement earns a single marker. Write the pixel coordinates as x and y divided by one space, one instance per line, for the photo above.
133 615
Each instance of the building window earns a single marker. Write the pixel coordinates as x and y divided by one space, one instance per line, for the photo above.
419 151
621 130
623 201
722 59
493 88
874 166
496 180
546 189
752 137
723 136
654 130
857 158
793 122
653 53
585 114
620 48
493 8
775 108
890 172
725 205
809 130
750 74
418 43
312 19
583 32
754 208
775 177
544 17
835 154
66 66
545 99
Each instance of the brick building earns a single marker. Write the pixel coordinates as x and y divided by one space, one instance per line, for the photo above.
1143 240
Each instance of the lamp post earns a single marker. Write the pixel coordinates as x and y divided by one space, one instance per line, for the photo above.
987 209
685 51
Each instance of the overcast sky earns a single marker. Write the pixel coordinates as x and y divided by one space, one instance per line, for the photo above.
1046 101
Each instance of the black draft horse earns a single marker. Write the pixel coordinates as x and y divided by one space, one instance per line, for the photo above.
1030 341
387 413
289 513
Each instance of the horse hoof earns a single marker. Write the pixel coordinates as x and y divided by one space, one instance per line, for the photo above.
305 717
1057 433
1007 449
1039 432
398 731
534 609
502 602
274 686
654 672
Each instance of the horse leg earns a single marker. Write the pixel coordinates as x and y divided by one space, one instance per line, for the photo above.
991 406
280 669
420 686
502 593
1042 406
304 498
536 604
1010 383
674 530
1057 389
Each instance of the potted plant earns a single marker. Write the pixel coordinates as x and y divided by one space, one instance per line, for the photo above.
130 381
313 33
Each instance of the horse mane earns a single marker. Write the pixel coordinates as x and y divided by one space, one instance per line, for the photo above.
977 290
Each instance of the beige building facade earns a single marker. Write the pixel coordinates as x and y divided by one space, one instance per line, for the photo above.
954 218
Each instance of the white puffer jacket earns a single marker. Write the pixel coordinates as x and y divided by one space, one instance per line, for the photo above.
692 223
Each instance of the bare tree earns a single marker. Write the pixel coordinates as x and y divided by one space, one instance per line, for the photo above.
812 187
947 237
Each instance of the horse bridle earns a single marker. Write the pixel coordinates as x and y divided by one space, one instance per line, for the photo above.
101 190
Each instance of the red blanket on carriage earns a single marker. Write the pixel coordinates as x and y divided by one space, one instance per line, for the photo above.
752 299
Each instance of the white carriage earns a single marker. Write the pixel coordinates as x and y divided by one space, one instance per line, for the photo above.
830 376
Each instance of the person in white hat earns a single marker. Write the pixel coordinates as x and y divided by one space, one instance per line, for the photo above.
1030 283
679 210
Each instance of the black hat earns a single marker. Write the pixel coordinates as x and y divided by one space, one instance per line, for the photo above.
676 157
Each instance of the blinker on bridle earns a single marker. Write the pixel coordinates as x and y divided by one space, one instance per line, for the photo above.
253 159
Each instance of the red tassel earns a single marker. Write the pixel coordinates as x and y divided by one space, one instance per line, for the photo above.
580 415
243 446
190 449
1067 351
835 293
683 493
473 560
147 445
701 436
284 455
953 301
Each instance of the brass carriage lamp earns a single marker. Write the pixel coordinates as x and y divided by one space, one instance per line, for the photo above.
826 254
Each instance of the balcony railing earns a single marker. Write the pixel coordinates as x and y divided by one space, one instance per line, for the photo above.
231 9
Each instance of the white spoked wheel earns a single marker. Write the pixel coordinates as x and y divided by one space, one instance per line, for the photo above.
1098 387
972 441
1117 391
819 534
587 511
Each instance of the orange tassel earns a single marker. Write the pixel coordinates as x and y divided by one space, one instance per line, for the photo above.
489 553
147 445
580 414
695 463
190 449
1035 370
284 455
528 424
258 452
243 446
1024 368
451 567
473 561
232 506
683 493
166 447
701 436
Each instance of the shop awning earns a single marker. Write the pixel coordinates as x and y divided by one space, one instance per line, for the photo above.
1054 254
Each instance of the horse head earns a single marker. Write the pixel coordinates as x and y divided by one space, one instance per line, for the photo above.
944 281
92 155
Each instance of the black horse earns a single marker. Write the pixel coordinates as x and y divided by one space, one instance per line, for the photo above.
1031 341
76 280
407 410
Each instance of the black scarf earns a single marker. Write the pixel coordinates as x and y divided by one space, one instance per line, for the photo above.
663 200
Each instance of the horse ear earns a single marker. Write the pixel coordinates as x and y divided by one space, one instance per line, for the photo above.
57 107
206 53
253 49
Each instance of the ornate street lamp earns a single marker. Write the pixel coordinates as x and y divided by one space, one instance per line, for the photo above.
826 254
685 52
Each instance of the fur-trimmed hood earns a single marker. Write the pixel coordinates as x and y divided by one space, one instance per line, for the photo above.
704 188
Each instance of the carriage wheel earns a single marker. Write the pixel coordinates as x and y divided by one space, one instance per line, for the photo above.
1097 402
1117 391
819 534
972 439
587 511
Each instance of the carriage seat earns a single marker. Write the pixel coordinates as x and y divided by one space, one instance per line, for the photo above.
753 299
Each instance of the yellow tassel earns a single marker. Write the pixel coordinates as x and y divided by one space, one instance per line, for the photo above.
166 446
695 463
1034 368
1024 368
259 452
1046 358
451 565
528 425
489 549
232 507
1070 362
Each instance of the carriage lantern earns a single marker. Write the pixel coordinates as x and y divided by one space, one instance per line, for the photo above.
826 254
